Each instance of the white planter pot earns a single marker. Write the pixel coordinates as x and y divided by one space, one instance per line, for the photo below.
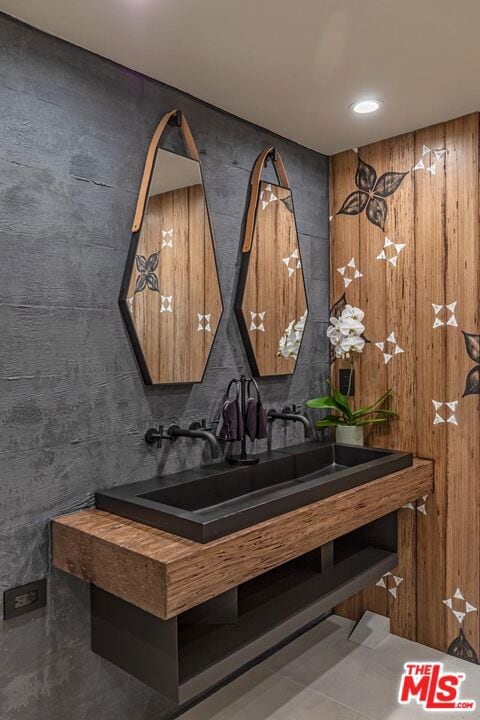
349 434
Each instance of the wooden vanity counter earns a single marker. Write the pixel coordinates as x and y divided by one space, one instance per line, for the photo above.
165 574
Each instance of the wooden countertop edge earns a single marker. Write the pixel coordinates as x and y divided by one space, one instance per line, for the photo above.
165 574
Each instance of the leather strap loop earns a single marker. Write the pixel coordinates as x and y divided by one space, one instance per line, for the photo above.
255 189
150 159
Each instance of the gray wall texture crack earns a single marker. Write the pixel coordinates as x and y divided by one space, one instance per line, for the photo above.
74 130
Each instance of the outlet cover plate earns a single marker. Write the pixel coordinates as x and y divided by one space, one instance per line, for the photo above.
24 599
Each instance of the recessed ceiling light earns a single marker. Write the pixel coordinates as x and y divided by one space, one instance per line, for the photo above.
365 106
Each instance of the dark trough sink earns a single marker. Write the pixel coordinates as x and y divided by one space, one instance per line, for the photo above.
209 502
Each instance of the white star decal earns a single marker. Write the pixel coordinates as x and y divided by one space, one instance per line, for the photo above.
449 416
267 196
257 321
420 505
459 606
204 323
349 272
166 303
167 236
429 159
394 350
390 582
292 262
391 251
440 311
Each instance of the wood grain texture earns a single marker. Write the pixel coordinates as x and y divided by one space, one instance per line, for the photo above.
165 574
274 297
176 334
386 293
430 233
255 190
462 283
435 213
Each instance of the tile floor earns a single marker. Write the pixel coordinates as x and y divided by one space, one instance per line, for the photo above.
323 676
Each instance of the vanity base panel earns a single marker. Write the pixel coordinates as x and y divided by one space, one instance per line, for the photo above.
185 658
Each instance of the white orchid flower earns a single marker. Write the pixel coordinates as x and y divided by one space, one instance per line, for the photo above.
345 333
353 312
289 343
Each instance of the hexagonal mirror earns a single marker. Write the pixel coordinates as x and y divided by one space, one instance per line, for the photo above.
271 305
170 297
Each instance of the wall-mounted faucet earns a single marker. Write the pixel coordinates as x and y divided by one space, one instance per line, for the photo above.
174 431
293 414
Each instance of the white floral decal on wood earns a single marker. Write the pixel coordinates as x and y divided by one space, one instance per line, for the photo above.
167 238
204 323
292 262
445 412
257 319
420 505
349 272
459 606
444 315
390 582
267 196
389 348
429 159
391 251
166 303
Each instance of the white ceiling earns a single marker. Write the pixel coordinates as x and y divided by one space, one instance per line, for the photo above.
293 66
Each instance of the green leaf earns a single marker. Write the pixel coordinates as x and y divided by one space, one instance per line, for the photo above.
389 413
342 400
370 421
368 408
327 402
329 421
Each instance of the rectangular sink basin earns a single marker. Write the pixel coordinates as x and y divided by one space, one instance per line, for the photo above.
209 502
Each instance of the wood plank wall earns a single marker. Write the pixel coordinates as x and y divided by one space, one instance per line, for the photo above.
433 214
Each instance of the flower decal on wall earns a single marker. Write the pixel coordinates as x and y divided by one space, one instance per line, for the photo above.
146 269
390 582
460 608
472 344
349 272
371 193
461 648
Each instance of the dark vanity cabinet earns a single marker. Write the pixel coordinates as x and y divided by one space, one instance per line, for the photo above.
187 656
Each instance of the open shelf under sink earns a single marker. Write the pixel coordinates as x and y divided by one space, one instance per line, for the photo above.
189 655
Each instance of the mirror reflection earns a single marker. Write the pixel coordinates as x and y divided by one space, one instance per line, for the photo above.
272 306
173 296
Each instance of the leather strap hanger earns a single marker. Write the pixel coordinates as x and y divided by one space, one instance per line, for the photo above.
255 190
190 146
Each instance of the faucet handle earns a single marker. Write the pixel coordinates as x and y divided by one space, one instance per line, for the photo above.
154 436
294 410
202 425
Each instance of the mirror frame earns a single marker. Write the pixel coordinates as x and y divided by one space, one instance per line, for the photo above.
270 153
174 118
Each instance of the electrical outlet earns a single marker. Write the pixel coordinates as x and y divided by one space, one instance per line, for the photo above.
25 598
347 378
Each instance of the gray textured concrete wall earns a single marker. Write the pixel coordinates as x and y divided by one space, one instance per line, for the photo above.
74 130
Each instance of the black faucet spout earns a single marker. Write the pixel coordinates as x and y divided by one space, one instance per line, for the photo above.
196 430
293 416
